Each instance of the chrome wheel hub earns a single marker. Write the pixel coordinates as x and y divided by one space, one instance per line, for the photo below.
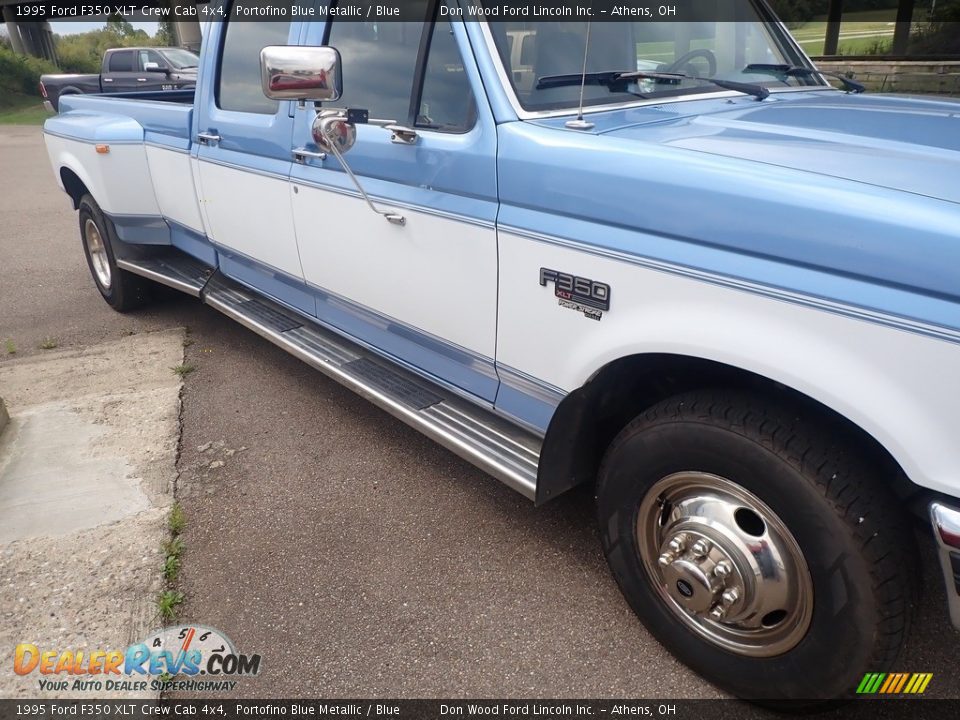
725 564
98 253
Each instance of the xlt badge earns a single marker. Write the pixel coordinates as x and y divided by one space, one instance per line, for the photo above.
578 293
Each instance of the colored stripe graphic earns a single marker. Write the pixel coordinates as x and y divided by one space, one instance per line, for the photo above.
894 683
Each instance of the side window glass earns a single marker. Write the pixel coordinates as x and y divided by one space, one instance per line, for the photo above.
379 61
238 84
446 100
122 61
150 56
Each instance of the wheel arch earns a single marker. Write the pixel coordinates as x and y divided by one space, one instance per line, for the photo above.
73 185
590 417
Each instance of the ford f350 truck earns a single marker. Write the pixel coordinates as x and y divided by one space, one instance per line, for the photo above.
666 259
127 70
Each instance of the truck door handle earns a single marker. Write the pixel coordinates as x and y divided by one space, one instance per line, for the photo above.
141 79
108 79
301 154
208 138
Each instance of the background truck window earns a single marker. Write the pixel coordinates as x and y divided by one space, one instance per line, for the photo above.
121 61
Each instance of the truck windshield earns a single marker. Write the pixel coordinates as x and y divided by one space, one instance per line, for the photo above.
181 59
531 51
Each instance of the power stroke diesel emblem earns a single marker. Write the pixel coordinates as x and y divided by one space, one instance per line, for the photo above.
577 293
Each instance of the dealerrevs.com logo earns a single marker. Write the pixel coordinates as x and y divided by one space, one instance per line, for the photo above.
181 657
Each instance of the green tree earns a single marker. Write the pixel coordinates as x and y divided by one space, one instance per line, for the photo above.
20 74
120 27
166 35
941 35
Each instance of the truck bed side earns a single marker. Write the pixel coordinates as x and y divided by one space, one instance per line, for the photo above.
131 152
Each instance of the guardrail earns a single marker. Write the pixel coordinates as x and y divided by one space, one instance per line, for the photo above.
886 74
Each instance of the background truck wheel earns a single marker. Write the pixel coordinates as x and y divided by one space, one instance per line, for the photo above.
763 555
122 290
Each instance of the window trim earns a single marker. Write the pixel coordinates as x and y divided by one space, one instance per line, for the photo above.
419 72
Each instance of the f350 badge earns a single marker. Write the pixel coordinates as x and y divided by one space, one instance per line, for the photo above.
577 293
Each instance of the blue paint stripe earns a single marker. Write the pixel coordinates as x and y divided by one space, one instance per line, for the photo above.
881 304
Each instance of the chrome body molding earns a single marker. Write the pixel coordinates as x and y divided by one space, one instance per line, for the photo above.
299 182
530 386
87 141
169 148
252 171
946 531
475 361
892 321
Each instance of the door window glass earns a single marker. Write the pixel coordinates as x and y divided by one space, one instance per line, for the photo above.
239 86
150 56
379 62
381 72
121 61
446 101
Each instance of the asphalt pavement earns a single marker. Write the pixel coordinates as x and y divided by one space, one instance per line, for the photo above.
354 555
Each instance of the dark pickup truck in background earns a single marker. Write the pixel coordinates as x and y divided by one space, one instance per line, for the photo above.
127 70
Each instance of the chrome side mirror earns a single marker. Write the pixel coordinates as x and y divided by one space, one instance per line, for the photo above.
153 67
294 72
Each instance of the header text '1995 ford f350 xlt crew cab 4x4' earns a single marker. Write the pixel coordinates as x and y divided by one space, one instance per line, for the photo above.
664 258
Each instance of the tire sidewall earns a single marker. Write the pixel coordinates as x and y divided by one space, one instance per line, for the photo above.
839 641
89 210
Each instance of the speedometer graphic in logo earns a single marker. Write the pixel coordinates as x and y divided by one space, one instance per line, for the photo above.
189 650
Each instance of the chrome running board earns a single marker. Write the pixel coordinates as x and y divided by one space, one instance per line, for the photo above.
477 435
180 271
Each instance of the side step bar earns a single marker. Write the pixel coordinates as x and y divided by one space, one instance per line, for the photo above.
488 441
180 272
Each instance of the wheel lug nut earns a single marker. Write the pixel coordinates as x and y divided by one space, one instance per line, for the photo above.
679 543
667 558
718 612
730 596
701 547
722 569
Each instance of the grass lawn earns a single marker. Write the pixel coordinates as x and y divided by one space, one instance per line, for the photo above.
860 32
22 110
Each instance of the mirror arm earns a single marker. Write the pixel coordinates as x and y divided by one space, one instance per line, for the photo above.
392 218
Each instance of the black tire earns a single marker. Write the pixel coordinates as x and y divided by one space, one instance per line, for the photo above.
124 291
856 543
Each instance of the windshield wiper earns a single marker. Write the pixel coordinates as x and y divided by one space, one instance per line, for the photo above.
607 79
849 84
618 81
758 91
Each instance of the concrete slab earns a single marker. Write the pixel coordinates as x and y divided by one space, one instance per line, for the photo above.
51 482
87 469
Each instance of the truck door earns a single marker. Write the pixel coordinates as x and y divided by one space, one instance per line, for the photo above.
243 161
121 73
153 80
424 291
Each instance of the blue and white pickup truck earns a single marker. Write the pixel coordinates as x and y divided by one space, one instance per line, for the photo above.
666 259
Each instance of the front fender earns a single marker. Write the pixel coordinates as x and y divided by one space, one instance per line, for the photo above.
896 379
